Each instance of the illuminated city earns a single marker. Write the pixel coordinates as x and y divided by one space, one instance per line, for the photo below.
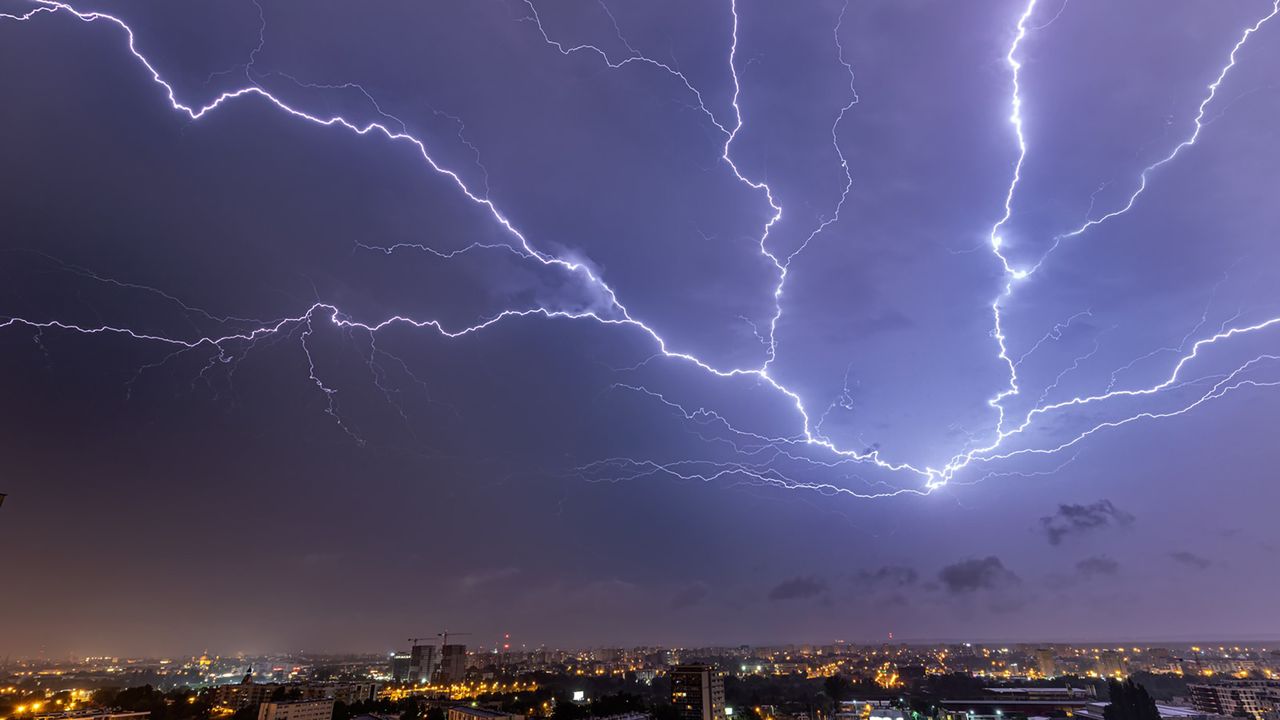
839 681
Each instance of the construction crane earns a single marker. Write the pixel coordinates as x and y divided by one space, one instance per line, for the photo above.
444 637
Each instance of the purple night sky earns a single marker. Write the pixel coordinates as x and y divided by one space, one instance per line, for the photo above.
629 322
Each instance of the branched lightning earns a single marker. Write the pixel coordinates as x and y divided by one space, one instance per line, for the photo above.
1198 124
764 459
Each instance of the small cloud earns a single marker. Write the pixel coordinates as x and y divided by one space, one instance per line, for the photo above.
972 575
1081 519
798 588
688 597
1097 566
887 577
1191 560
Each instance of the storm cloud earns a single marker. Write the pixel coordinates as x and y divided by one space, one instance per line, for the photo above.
1082 519
798 588
1191 560
971 575
1097 566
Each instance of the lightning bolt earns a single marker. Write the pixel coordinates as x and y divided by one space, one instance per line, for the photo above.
763 455
1198 125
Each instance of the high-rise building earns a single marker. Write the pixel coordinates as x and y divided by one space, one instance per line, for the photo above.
399 666
1112 664
1248 698
423 663
453 664
1047 660
697 692
243 694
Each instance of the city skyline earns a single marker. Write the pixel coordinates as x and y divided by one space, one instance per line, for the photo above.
1114 644
835 681
614 324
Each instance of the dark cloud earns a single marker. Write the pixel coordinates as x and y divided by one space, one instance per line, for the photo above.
887 577
1081 519
1190 559
798 588
975 574
1097 566
689 596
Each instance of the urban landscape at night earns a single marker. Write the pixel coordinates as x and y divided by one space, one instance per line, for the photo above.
693 359
839 681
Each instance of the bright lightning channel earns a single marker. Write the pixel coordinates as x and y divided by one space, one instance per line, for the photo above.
616 313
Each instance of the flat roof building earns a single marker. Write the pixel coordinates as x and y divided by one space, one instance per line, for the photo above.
1249 698
94 714
296 710
697 692
464 712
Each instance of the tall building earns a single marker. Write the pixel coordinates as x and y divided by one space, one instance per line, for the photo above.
399 666
697 692
296 710
1249 698
453 664
1112 664
423 663
1047 660
243 694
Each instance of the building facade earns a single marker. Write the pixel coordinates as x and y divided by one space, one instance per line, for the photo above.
453 664
423 662
1249 698
296 710
463 712
248 693
697 692
398 667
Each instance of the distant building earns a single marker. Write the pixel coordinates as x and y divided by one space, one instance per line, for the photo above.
1096 711
1044 693
867 710
244 694
296 710
1112 664
1236 697
94 714
1025 701
697 692
423 662
398 666
1047 660
453 664
248 693
463 712
344 692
